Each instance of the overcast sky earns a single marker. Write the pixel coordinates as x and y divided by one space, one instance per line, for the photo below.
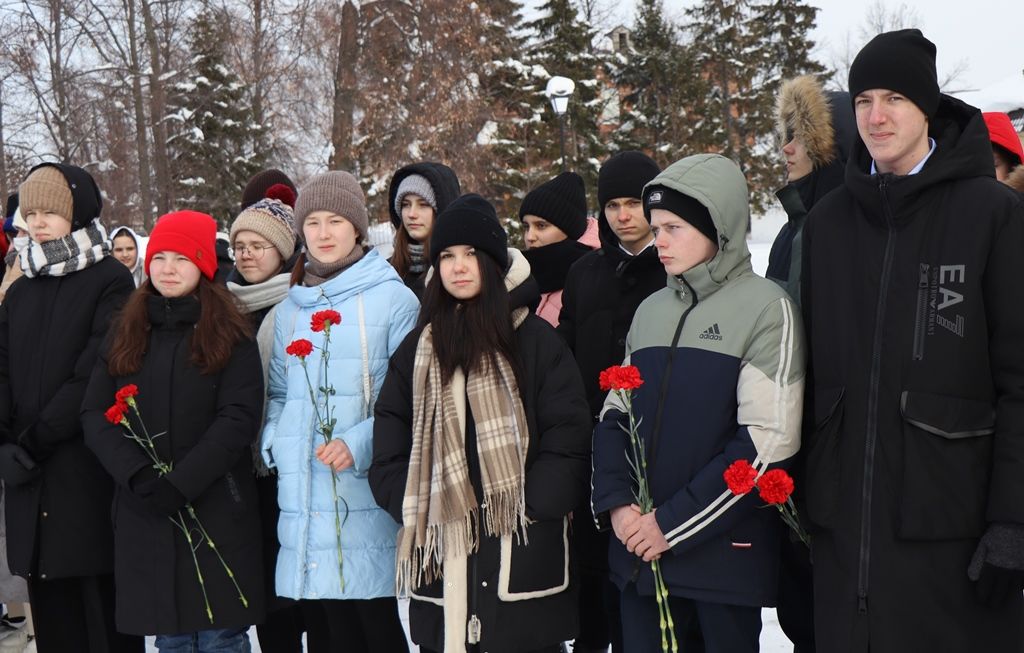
988 35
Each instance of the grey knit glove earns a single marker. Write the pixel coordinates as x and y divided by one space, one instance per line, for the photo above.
998 564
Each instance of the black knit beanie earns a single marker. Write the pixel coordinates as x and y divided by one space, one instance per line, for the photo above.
901 61
625 175
470 220
562 202
261 182
686 207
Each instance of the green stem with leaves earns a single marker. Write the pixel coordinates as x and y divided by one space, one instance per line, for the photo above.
638 470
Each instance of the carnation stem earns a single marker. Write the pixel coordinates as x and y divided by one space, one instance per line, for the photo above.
180 523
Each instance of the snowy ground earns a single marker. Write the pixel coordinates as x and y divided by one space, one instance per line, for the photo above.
763 231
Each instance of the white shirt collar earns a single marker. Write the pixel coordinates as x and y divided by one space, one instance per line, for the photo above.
920 164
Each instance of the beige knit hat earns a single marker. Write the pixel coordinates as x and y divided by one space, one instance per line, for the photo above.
272 219
336 191
46 189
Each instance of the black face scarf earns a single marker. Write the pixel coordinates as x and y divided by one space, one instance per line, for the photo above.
550 264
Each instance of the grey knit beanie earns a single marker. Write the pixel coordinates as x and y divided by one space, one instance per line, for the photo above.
271 219
415 185
335 191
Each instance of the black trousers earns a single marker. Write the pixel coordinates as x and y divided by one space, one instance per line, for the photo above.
76 615
723 628
357 626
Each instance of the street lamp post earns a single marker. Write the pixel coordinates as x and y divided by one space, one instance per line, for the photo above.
559 90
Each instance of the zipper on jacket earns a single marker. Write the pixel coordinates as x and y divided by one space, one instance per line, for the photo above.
652 456
874 380
473 628
922 312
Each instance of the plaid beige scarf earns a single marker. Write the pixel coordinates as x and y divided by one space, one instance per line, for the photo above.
440 514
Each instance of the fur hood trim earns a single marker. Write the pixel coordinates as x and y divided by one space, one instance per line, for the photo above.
1016 179
803 111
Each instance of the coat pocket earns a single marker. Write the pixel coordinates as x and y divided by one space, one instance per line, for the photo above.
823 468
539 568
946 466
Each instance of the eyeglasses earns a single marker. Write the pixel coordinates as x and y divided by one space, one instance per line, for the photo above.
255 250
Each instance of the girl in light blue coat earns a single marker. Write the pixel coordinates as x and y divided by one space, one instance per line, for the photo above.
337 272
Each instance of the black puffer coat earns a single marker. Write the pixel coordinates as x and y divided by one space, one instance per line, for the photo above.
58 525
556 481
915 443
209 422
601 294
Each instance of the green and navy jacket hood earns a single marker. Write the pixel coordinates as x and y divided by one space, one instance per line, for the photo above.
717 183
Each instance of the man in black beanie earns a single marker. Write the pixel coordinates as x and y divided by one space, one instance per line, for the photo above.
914 437
602 292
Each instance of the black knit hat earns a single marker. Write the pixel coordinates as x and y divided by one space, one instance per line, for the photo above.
686 207
625 175
470 220
561 201
901 61
261 182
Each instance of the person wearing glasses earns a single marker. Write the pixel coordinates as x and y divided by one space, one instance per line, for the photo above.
263 241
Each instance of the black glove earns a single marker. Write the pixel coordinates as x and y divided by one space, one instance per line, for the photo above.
161 496
998 564
16 465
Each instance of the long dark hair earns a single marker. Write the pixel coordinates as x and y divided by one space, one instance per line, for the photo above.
221 326
466 333
400 259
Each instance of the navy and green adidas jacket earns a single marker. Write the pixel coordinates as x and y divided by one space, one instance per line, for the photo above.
721 352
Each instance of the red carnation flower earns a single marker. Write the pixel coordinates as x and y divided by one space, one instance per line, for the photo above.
115 414
126 392
740 476
322 320
620 377
300 348
775 486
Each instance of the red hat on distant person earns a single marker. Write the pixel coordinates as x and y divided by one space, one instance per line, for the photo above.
189 233
1002 133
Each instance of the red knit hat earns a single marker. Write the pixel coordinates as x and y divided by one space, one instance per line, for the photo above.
189 233
1002 133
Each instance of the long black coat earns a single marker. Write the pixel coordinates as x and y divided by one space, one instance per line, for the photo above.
557 480
916 439
208 422
51 328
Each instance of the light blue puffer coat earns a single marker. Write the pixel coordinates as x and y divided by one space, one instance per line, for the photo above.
307 564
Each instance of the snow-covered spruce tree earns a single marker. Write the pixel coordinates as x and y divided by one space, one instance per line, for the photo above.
743 50
657 78
210 126
562 44
510 85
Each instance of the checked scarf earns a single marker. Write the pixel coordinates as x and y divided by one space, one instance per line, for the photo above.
76 251
440 515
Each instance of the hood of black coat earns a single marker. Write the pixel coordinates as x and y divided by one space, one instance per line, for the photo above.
87 202
442 179
962 151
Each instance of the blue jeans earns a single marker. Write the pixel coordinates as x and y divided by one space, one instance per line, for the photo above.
206 641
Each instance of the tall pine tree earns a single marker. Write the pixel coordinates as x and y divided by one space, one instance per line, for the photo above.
562 45
211 125
743 49
658 78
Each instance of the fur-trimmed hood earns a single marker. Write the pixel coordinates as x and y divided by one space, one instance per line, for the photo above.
822 121
1016 179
